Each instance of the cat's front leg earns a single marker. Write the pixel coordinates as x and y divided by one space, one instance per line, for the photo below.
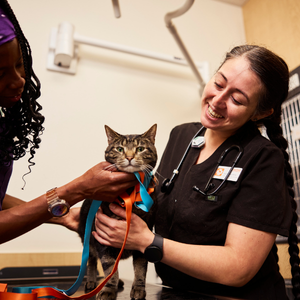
140 264
109 291
91 281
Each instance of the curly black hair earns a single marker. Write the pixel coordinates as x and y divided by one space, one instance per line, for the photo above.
22 124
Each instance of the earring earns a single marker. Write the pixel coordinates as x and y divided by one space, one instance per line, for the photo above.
254 120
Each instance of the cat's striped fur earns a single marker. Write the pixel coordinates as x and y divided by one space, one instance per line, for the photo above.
128 153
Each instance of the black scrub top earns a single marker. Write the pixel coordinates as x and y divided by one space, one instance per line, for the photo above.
259 199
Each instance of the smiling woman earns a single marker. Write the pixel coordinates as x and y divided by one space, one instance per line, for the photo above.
225 245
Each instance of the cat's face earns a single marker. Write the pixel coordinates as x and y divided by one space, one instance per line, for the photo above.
131 153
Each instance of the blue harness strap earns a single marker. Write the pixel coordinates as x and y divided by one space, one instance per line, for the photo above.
147 201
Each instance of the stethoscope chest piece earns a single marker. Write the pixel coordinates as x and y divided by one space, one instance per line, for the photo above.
167 186
198 142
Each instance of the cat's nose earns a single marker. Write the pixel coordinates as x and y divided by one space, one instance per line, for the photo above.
129 158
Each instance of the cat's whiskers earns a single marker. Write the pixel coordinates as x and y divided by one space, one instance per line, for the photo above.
147 169
157 174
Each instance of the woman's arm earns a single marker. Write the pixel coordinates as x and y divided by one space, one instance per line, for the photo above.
97 183
233 264
10 201
70 221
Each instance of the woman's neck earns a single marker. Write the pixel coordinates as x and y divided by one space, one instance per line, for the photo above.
213 140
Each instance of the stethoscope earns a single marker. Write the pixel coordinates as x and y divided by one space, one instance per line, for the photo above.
168 184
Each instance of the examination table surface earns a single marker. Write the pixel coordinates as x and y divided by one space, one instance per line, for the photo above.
154 292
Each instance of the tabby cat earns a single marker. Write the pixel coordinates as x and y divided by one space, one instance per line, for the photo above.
129 153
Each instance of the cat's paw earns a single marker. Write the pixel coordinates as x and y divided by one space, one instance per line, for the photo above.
107 294
90 286
138 293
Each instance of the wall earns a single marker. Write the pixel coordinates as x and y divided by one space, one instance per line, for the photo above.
126 92
275 24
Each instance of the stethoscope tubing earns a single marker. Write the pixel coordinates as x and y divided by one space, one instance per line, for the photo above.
168 184
176 171
240 152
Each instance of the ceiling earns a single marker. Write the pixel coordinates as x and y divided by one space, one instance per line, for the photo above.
234 2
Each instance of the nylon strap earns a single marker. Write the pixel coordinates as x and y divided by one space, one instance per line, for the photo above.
141 196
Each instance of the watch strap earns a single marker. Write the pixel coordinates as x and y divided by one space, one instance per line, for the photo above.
51 195
158 241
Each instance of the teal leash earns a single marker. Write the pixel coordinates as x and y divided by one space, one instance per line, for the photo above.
85 255
145 205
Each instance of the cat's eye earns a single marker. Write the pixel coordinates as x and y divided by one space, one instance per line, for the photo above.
140 149
120 149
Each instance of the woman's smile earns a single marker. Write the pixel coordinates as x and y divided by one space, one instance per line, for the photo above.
213 114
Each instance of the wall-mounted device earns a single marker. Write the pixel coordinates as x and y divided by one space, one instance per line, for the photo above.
64 41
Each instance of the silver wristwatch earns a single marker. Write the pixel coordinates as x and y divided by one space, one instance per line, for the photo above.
56 206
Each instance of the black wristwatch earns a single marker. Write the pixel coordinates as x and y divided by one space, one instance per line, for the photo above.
154 252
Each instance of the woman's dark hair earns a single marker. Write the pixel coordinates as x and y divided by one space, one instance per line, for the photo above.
21 125
274 75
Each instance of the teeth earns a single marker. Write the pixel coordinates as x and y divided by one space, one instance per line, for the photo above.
213 114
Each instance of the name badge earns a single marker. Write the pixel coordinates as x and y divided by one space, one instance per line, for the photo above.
222 172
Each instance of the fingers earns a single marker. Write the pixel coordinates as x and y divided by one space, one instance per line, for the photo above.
117 210
106 185
123 179
109 230
115 173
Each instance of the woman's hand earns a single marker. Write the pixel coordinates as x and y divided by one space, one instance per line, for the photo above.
111 232
70 221
101 182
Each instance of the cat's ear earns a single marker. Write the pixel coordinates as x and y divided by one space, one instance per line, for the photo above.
151 133
111 134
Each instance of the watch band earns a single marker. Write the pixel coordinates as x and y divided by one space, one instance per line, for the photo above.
154 252
158 241
56 206
51 195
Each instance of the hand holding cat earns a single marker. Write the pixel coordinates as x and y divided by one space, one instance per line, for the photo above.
111 232
70 221
98 183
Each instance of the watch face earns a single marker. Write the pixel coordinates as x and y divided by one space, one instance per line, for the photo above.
59 210
153 254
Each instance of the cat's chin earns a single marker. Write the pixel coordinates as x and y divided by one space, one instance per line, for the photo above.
129 169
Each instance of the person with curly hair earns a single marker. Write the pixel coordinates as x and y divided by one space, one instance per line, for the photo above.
21 125
220 240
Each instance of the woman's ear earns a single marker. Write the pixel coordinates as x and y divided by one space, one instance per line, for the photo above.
262 116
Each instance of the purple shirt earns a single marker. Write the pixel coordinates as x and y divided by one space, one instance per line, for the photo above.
5 174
